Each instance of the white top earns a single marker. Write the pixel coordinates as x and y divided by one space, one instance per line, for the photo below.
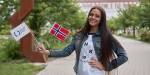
88 52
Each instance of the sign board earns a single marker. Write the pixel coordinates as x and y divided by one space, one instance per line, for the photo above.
20 31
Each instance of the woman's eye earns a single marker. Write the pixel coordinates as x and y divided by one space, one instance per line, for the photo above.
91 14
97 16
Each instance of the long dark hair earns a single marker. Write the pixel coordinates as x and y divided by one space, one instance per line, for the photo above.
106 38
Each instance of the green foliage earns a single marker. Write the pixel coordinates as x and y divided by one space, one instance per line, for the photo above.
19 67
144 1
145 35
5 30
6 9
65 12
144 17
9 50
128 17
113 24
135 17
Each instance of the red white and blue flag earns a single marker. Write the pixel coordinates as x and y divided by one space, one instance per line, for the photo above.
60 32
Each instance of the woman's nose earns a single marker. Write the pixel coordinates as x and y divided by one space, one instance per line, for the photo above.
93 17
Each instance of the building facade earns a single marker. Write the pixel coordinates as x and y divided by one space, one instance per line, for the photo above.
111 6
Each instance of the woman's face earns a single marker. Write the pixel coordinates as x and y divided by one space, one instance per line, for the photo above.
94 17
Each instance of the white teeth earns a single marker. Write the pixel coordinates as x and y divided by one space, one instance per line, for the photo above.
92 21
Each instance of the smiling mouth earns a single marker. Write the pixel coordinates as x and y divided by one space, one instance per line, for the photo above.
92 21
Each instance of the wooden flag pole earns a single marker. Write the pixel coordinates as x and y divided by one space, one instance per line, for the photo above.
28 41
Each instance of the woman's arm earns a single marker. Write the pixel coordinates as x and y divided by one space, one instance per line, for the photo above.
58 53
121 56
65 52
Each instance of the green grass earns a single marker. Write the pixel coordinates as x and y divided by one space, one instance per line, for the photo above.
20 67
14 66
2 42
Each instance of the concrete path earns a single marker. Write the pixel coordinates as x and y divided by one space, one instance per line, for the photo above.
138 63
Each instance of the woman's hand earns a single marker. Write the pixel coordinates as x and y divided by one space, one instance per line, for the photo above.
95 63
40 48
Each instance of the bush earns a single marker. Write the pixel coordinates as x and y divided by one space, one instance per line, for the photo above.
145 36
4 29
9 50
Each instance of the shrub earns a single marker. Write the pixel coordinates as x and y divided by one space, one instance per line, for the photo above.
145 36
9 50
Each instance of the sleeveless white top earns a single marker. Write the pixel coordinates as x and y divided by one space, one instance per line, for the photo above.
88 52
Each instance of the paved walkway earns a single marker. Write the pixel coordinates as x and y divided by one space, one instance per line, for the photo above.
138 63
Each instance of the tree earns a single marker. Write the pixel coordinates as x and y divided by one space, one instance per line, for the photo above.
65 12
113 24
135 17
144 17
7 7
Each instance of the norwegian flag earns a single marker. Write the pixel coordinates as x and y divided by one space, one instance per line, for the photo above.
60 32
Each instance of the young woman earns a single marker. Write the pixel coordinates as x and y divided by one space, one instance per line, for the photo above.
97 51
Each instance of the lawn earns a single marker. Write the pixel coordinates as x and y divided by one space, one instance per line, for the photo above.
12 66
19 67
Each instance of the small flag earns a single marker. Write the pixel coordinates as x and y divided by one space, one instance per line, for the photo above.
60 32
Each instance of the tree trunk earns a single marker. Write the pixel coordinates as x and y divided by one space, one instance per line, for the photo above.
134 31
